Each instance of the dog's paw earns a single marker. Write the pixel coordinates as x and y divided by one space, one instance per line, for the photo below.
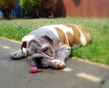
18 54
57 64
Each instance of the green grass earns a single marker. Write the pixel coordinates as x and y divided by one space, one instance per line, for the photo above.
97 51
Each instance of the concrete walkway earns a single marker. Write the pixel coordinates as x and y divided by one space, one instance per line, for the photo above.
78 74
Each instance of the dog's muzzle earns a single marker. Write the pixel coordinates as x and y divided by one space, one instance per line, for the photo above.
41 55
36 55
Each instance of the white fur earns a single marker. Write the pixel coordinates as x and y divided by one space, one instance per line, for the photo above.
17 54
28 38
24 51
82 38
46 30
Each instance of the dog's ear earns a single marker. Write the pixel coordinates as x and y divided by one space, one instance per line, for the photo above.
24 44
48 39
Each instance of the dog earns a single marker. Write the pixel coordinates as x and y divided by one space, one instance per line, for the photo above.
51 44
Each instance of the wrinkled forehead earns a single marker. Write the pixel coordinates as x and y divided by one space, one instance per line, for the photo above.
41 43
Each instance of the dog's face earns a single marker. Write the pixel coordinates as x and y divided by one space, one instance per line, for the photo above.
43 46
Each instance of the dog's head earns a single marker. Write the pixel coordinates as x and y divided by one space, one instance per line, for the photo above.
42 46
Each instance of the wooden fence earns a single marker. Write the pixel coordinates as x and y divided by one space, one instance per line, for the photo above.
78 8
82 8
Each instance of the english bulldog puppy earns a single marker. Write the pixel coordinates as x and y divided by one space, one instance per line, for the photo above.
51 44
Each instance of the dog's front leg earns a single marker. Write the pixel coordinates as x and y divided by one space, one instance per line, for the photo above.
62 53
19 54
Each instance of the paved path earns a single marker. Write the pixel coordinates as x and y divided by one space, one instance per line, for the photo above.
78 74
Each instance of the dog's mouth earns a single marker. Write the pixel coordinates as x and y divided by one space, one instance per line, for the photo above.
38 57
38 62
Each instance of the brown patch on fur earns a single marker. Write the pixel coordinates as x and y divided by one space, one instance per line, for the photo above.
48 39
33 42
76 34
24 44
70 38
61 35
87 35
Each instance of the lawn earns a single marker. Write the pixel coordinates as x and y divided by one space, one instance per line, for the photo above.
97 51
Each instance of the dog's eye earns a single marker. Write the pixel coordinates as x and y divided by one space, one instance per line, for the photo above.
45 49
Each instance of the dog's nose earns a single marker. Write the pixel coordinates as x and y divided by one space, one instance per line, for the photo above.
38 62
38 58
